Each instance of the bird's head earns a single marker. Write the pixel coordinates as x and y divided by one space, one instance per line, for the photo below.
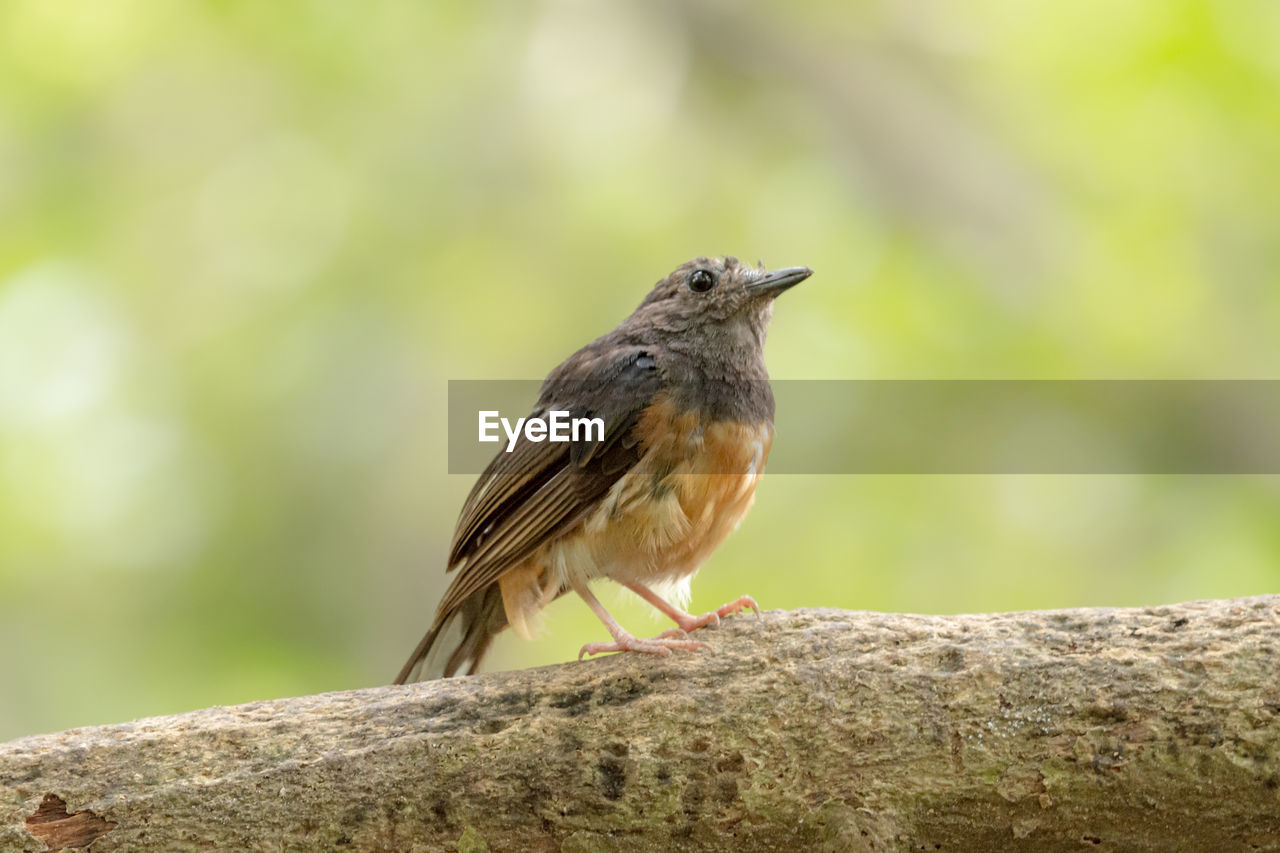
712 297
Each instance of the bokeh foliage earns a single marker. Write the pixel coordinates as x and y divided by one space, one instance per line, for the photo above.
244 245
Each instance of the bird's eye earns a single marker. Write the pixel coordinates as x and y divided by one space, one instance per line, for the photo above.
700 281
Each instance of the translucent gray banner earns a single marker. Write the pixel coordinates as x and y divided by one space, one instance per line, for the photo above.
955 427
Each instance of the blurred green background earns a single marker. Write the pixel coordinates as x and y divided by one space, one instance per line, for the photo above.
244 245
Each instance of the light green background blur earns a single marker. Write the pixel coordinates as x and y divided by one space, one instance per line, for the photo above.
244 245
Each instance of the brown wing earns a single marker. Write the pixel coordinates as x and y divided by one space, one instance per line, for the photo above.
541 489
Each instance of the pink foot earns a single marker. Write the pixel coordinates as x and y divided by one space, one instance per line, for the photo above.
659 645
712 617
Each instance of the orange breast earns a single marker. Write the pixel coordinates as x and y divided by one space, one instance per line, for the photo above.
689 491
661 520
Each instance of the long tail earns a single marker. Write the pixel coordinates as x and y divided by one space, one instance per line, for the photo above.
458 638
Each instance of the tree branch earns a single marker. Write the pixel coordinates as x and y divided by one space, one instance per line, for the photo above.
1116 729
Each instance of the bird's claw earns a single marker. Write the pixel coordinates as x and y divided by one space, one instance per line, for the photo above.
713 617
661 645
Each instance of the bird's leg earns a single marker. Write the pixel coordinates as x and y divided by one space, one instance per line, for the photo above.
687 621
623 641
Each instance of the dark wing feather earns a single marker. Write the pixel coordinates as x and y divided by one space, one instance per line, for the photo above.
541 489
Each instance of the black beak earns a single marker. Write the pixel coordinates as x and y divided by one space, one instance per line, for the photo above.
775 281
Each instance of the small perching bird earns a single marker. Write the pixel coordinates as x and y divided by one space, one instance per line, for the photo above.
684 396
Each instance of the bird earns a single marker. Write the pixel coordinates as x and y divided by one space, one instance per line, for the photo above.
687 411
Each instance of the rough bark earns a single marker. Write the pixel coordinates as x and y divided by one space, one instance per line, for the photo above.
1113 729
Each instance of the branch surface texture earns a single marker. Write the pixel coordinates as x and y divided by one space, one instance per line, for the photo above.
1096 729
